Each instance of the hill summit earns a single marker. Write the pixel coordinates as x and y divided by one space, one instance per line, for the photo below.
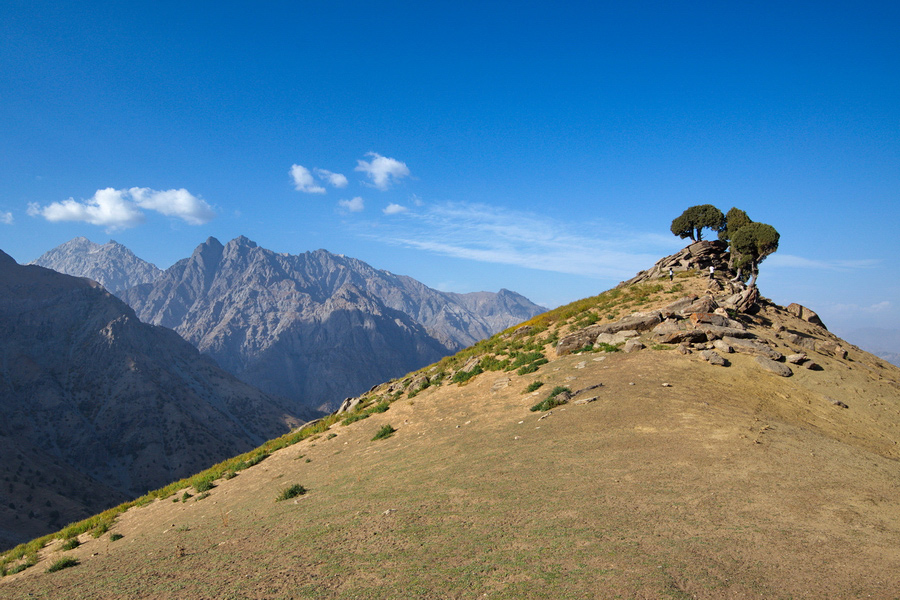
666 438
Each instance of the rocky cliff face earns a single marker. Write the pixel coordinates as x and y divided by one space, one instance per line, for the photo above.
314 327
111 264
127 404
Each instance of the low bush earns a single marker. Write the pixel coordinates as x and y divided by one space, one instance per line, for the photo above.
553 399
385 432
70 544
291 492
63 563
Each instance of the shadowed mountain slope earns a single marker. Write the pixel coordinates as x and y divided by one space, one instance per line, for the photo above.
314 327
657 472
90 388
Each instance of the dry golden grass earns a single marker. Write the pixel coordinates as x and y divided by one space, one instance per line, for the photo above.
727 483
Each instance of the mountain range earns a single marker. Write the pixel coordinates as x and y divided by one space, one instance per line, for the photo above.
99 407
315 327
111 264
683 438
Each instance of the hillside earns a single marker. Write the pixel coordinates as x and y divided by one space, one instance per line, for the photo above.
99 407
315 327
111 264
662 475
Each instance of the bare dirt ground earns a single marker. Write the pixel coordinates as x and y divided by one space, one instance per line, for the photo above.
729 482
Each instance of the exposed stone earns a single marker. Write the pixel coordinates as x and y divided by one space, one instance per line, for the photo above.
752 347
588 335
680 304
349 404
837 402
831 347
742 301
713 358
668 326
722 346
715 332
795 359
699 255
581 401
705 304
714 319
683 349
774 367
616 338
801 312
633 345
677 337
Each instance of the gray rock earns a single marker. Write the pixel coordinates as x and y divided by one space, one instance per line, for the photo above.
752 347
774 367
633 345
722 346
801 312
678 337
795 359
713 358
831 348
578 339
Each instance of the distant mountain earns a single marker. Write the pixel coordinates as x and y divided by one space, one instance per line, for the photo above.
112 264
88 392
881 342
315 327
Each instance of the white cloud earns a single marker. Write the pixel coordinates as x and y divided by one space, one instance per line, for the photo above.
6 218
383 171
174 203
303 180
120 209
335 179
107 208
415 199
355 205
497 235
394 209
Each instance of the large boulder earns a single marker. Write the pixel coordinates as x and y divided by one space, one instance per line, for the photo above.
774 367
801 312
752 347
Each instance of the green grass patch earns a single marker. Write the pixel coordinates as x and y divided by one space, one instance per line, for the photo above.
533 387
70 544
661 347
62 563
464 376
115 537
290 492
385 432
552 400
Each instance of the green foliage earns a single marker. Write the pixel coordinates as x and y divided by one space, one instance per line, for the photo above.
70 544
386 431
734 220
202 496
464 376
552 400
186 496
356 417
290 492
532 367
604 347
492 363
533 387
330 436
62 563
695 219
661 347
115 537
751 244
203 484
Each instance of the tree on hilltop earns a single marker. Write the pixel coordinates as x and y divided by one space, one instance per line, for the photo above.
734 220
695 219
750 245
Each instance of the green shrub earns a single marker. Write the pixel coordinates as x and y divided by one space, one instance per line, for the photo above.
354 418
533 386
604 347
63 563
203 485
552 400
291 492
186 496
115 537
70 544
532 367
381 407
202 496
464 376
386 431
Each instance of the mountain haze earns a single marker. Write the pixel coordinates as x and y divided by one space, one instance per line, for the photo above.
703 442
314 327
88 387
112 265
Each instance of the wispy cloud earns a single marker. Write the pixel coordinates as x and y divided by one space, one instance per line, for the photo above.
497 235
382 171
121 209
304 181
6 218
355 205
882 307
794 262
334 179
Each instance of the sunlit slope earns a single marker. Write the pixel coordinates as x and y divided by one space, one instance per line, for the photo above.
679 479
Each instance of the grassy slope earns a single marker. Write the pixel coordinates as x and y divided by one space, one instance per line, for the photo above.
728 483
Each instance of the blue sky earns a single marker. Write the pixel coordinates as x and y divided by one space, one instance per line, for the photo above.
543 148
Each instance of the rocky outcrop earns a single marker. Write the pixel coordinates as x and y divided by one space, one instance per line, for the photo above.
315 327
699 255
90 388
113 265
801 312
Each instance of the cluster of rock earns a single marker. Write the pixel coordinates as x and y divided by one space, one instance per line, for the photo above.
705 324
699 255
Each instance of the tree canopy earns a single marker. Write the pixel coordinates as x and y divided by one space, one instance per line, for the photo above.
734 220
751 244
695 219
